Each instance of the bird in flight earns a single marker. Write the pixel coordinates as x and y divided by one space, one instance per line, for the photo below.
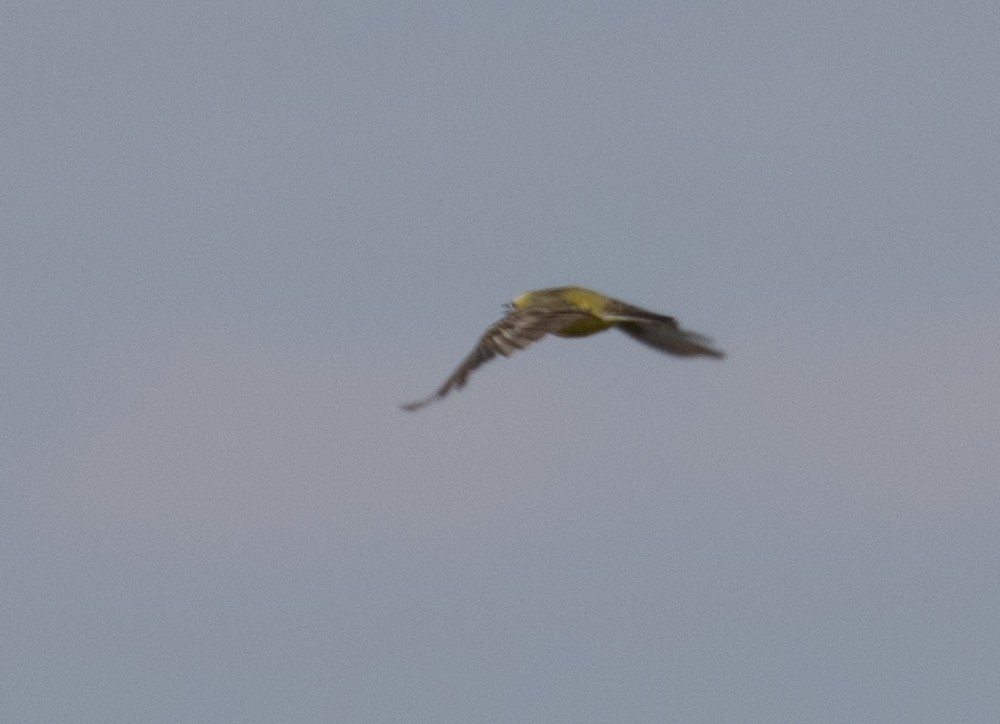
571 312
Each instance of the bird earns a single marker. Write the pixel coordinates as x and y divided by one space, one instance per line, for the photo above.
570 312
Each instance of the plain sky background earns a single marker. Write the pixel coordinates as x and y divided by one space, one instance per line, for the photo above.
235 236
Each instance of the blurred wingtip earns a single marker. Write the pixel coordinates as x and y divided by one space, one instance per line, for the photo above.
417 404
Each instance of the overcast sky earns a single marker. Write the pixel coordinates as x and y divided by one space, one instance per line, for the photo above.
235 236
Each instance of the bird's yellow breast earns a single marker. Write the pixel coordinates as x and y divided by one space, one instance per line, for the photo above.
583 327
578 298
585 299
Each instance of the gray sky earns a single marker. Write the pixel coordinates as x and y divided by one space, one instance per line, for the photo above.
236 236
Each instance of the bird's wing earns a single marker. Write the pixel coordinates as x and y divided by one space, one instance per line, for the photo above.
518 329
659 331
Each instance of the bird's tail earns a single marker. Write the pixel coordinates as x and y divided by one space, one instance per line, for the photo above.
671 339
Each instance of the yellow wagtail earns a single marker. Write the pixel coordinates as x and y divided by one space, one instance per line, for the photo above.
571 312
